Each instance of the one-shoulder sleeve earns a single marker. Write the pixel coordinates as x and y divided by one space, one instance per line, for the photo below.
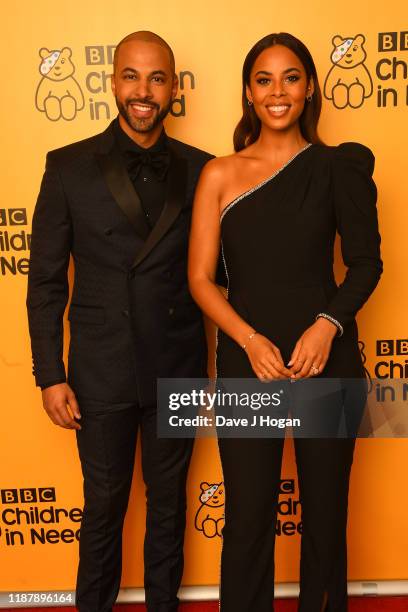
355 197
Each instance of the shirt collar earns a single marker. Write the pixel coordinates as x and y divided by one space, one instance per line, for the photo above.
127 144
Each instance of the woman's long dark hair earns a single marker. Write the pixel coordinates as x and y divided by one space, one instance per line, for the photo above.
249 127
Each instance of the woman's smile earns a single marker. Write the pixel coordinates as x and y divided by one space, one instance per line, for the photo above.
278 110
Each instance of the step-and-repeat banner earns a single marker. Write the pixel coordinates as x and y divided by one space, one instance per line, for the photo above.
365 100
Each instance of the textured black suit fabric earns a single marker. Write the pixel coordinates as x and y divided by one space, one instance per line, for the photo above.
278 242
132 320
107 444
129 324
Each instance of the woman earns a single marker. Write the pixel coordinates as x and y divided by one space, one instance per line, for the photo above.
275 206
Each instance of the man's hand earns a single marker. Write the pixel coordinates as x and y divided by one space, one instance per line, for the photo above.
61 406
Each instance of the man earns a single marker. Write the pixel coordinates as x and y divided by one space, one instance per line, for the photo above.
120 203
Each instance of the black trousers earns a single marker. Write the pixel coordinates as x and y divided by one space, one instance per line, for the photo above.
252 476
107 444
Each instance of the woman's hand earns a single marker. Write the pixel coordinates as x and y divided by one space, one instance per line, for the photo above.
312 350
265 359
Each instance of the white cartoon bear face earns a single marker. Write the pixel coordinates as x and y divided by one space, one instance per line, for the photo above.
212 495
56 65
348 52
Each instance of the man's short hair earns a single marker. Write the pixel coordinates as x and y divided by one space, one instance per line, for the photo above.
146 36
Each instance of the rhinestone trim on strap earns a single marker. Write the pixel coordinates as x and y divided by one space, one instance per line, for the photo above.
259 185
225 265
216 333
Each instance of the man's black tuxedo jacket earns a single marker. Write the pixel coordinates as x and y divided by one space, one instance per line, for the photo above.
132 318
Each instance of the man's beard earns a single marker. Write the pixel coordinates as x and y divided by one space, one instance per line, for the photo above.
139 124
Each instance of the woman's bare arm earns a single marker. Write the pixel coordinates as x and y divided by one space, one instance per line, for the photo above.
265 358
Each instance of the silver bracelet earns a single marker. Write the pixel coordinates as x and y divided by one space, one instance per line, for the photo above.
339 326
249 338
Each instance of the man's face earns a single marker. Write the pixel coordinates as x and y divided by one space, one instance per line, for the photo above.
143 84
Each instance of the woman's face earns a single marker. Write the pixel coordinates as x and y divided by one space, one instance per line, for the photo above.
278 87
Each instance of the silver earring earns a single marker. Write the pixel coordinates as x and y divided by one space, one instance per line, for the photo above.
249 102
309 97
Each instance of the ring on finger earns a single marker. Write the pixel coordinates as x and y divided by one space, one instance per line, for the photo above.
314 370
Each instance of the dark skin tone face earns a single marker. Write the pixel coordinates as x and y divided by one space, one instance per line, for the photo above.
278 88
144 86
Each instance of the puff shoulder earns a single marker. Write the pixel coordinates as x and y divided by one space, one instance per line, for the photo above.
354 154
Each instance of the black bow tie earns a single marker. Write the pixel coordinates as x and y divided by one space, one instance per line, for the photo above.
158 161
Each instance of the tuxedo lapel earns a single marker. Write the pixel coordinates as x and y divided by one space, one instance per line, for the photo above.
117 179
121 188
176 194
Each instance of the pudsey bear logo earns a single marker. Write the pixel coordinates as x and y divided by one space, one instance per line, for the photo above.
58 94
210 515
348 82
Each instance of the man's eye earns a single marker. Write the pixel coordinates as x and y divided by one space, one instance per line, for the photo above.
129 77
158 79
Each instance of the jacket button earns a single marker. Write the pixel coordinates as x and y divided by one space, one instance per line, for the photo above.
108 231
125 313
171 311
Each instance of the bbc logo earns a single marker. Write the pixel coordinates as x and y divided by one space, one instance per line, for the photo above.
392 347
99 55
28 496
287 486
13 216
393 41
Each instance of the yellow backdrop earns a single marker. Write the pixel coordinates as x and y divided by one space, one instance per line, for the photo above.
210 41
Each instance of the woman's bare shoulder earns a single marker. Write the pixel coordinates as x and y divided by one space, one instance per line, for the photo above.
220 169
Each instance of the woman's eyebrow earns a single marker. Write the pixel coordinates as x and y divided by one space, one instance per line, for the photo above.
284 72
